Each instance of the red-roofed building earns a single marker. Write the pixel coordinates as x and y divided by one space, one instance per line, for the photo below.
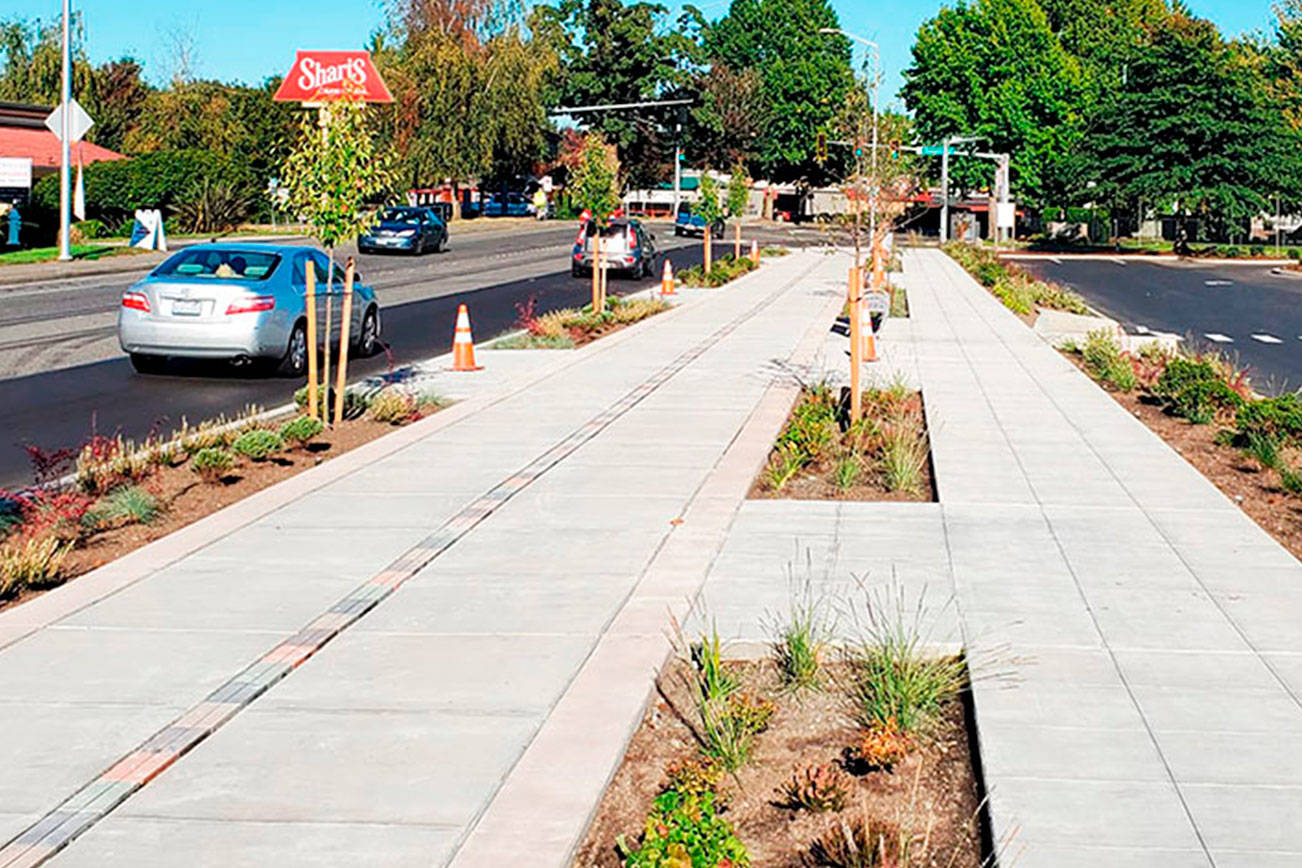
23 134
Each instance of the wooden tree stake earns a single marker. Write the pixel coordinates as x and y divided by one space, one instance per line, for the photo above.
309 300
345 325
736 242
855 296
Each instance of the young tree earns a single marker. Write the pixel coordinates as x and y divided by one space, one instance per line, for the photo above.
1191 130
738 190
594 183
334 171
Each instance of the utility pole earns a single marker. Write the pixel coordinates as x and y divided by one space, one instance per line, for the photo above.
944 190
678 167
65 146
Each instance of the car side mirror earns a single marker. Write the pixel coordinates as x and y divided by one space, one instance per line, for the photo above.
652 236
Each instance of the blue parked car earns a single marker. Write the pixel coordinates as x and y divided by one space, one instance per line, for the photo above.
508 205
406 229
688 223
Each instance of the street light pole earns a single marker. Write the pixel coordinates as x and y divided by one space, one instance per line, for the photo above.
65 147
944 190
876 57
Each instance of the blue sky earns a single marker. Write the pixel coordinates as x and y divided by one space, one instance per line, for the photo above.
247 40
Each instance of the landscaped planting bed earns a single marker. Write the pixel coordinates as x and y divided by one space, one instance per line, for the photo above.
1204 407
820 455
850 757
1017 290
126 495
570 327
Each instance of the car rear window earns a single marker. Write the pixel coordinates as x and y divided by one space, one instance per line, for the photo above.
223 264
411 217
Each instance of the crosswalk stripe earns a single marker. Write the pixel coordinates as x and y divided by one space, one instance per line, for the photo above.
1218 283
1267 339
1219 338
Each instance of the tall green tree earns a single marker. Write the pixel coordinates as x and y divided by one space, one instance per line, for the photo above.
804 73
468 85
594 183
1191 132
994 69
615 54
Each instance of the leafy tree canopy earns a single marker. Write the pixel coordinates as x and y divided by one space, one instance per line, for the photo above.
1191 130
804 76
995 69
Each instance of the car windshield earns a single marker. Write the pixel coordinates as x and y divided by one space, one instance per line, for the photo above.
225 264
401 215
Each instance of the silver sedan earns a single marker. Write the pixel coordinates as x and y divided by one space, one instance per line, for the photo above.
243 303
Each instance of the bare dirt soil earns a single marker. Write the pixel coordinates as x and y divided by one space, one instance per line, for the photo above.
186 499
933 793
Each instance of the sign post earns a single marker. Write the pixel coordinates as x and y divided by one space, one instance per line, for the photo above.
317 79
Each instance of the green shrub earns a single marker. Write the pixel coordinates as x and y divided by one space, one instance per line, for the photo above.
686 831
91 229
1106 362
800 640
130 503
163 179
258 444
723 270
355 404
1278 419
894 679
1257 250
1017 295
301 430
1195 390
396 406
695 776
212 464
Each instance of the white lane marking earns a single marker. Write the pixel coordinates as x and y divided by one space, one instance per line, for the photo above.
1142 329
1267 339
1055 260
1121 262
1219 338
1218 283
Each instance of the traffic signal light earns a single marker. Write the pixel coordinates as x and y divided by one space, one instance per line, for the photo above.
821 154
858 147
895 150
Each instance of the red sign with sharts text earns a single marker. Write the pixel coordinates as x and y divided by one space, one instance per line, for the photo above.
327 76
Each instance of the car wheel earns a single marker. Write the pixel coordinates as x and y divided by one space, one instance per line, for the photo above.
147 364
576 271
294 362
369 336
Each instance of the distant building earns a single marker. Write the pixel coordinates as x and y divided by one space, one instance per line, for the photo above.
23 134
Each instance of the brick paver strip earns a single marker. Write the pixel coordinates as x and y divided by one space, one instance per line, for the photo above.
88 805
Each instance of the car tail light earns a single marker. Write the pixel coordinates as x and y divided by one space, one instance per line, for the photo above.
135 301
251 304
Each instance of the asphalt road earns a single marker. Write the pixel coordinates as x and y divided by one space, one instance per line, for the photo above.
62 376
1246 311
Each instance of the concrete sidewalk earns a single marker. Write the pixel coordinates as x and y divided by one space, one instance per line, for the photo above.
1135 638
346 669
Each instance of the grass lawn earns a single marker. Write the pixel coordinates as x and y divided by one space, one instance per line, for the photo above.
49 254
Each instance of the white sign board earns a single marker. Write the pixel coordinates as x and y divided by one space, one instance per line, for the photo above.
79 123
147 233
1006 215
16 172
878 302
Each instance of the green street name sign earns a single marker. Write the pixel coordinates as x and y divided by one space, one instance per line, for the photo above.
933 150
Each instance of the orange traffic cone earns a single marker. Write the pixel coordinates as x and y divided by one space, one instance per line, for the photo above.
463 345
667 280
869 352
754 251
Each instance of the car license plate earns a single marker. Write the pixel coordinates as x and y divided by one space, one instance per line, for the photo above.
186 307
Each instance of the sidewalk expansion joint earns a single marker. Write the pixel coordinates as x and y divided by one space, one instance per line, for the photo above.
96 799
